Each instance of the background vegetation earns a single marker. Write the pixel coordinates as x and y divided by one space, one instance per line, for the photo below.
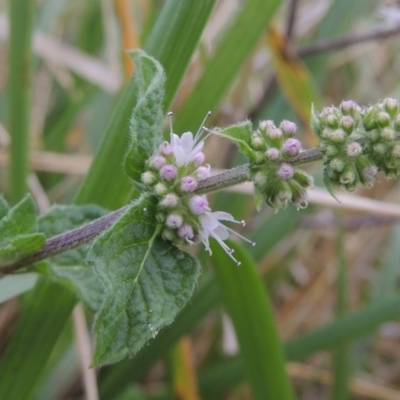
329 273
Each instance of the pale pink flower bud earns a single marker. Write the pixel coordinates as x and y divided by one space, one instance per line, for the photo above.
198 205
388 133
272 154
203 172
391 105
354 149
383 118
148 178
260 179
348 176
198 159
331 121
257 142
347 106
160 189
259 157
168 234
337 135
274 133
370 172
186 232
347 123
165 149
266 125
158 161
331 150
337 164
291 147
285 172
288 128
396 151
174 221
284 197
170 200
380 148
168 172
160 217
397 122
188 184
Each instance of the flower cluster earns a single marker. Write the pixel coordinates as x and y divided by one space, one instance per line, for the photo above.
357 142
276 180
340 130
382 125
172 175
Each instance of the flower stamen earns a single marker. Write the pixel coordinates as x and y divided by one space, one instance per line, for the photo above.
201 128
239 235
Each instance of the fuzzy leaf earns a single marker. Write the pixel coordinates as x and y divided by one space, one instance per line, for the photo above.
240 134
70 268
19 231
146 125
82 280
147 281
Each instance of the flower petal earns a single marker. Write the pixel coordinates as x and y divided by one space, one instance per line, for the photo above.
187 141
223 216
180 156
221 232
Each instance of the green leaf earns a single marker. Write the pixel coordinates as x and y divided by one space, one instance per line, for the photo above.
129 370
248 305
13 285
20 247
4 208
146 126
147 281
83 281
240 134
70 268
19 232
20 220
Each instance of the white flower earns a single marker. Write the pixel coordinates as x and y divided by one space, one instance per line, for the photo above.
212 227
185 148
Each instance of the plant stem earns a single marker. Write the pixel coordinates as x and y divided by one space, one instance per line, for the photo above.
85 233
67 241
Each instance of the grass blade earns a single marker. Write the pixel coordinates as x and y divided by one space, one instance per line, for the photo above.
234 48
353 326
248 305
46 311
21 15
106 183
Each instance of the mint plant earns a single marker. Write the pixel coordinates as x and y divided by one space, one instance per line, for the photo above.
130 266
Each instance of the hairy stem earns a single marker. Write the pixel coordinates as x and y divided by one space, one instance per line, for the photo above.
67 241
85 233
